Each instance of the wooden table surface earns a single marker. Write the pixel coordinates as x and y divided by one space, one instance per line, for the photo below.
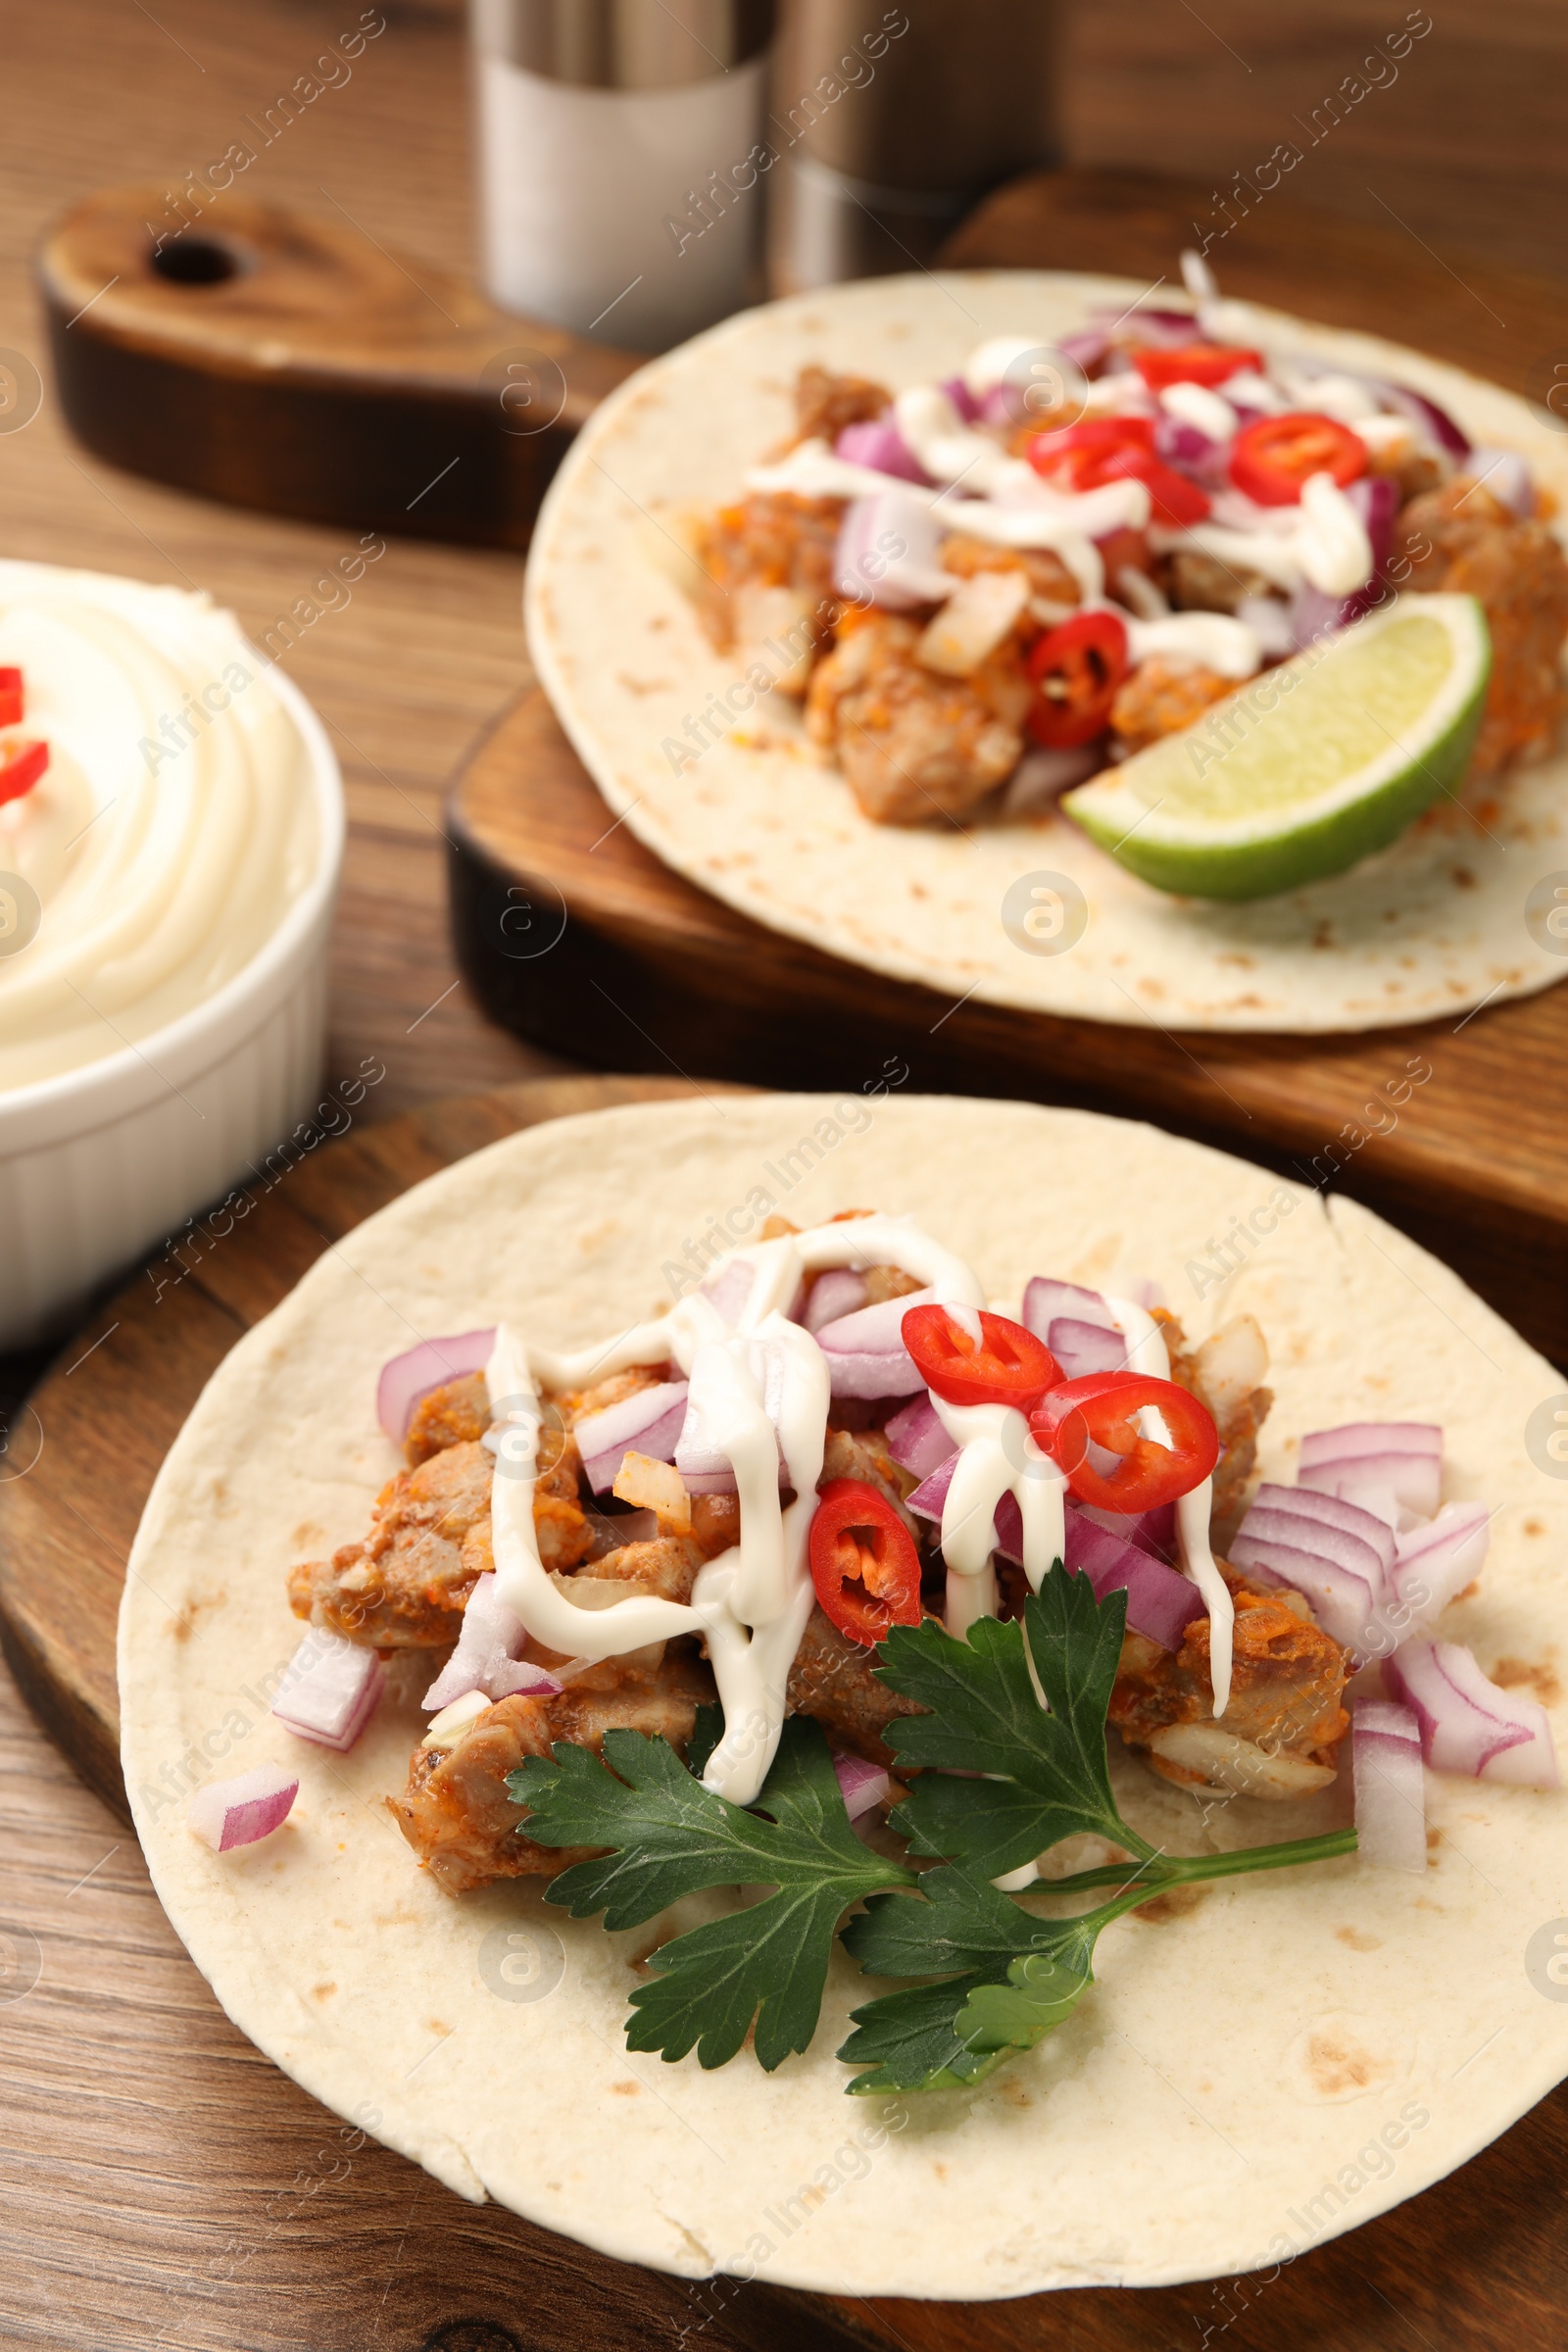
104 2139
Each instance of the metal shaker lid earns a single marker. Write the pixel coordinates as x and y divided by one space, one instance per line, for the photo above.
624 44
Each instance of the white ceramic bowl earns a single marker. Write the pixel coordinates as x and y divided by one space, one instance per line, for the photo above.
96 1165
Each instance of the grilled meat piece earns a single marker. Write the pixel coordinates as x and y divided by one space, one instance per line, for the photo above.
406 1583
1226 1376
914 747
1286 1685
824 403
1161 697
456 1812
666 1565
1462 540
862 1454
1200 583
832 1679
1049 576
769 575
715 1523
452 1415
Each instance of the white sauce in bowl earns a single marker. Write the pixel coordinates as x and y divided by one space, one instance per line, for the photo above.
173 831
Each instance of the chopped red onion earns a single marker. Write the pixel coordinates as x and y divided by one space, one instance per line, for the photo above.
1391 1818
1043 775
490 1642
866 1351
1192 451
329 1690
649 1422
703 1466
1434 1563
1329 1510
1168 329
1342 1601
1436 421
862 1784
1468 1725
1268 1522
1385 1483
1082 1347
1271 623
887 553
881 446
412 1376
916 1438
837 1293
1160 1599
1505 475
1088 348
727 1292
1044 1299
1150 1530
238 1811
1371 1436
962 399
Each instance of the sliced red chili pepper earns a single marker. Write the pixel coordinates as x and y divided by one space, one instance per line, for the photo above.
1007 1365
1272 458
10 698
865 1563
1194 364
1072 456
1101 1408
1077 669
21 767
1117 449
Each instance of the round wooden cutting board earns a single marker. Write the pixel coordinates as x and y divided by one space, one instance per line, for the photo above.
1476 2261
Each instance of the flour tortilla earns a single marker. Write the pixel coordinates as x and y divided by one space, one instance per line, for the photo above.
1231 2064
1429 926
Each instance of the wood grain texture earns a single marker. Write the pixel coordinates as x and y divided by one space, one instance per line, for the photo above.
407 664
276 358
1465 137
215 2205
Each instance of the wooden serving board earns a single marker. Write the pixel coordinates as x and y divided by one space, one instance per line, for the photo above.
1477 2260
281 358
575 935
648 972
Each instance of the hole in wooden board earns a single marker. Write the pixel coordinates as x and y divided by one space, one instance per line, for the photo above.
196 262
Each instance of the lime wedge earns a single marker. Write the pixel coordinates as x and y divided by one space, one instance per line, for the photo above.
1307 768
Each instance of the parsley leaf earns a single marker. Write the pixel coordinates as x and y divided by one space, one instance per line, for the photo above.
1021 1976
669 1836
1047 1775
1024 1706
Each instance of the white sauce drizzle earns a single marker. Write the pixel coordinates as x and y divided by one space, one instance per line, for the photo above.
1066 522
1212 640
758 1392
1147 1353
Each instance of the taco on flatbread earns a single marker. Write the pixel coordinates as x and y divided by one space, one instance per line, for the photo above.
866 1635
1249 633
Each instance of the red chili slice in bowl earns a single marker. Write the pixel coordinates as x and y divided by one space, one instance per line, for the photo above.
865 1563
1101 1408
21 767
1006 1366
1273 458
1077 669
